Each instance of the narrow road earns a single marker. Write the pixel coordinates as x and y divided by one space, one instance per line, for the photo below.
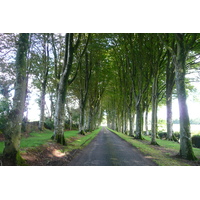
108 149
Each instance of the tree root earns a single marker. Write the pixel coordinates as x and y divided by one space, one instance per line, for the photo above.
82 132
154 143
13 159
139 138
174 138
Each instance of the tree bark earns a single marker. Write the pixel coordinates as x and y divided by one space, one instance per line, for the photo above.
154 110
130 122
13 131
139 121
59 118
44 81
146 121
85 75
186 150
170 81
42 108
82 119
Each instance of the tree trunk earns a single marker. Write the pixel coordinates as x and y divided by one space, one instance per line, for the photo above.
52 106
154 110
169 117
139 121
146 121
13 130
42 108
90 119
130 122
170 81
59 118
82 119
186 150
44 81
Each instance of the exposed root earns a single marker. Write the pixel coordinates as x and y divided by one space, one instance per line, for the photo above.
82 132
154 143
139 138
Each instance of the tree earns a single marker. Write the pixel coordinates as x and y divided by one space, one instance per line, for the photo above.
83 80
71 45
140 75
13 132
184 44
45 71
62 90
157 57
170 81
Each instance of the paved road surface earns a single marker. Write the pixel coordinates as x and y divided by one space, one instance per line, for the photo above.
108 149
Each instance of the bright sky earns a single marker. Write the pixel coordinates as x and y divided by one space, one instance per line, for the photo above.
193 106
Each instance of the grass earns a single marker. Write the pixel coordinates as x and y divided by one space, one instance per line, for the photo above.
82 141
37 139
163 155
172 145
1 147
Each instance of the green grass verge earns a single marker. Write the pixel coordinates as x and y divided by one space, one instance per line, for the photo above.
172 145
37 139
82 141
162 159
1 147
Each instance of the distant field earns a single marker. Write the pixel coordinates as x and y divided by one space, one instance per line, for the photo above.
195 129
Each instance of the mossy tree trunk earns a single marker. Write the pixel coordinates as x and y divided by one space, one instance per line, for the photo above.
154 109
11 154
59 118
71 46
131 121
84 80
186 150
139 120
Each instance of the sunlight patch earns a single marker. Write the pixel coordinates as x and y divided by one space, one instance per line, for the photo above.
58 153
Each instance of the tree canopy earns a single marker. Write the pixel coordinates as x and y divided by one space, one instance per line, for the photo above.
119 76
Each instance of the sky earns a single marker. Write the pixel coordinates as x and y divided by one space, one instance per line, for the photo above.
193 108
193 105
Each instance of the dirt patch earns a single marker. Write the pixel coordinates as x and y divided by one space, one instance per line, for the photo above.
1 137
50 154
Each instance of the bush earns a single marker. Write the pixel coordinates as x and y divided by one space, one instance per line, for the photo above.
177 135
196 141
49 124
4 110
162 135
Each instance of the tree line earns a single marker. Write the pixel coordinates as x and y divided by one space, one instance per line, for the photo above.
122 75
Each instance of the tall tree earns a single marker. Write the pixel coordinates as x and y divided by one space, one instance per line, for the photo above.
71 45
170 82
62 90
45 71
157 57
184 44
13 132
